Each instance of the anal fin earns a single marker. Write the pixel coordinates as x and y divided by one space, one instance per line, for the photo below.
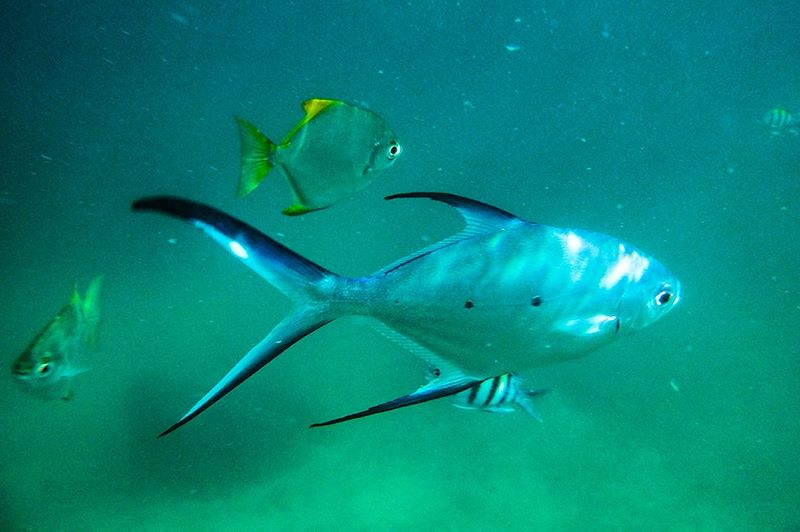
429 392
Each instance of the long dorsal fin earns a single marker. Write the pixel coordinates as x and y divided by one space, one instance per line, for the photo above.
480 218
312 108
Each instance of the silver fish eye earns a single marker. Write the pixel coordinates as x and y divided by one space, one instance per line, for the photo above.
43 368
664 295
394 150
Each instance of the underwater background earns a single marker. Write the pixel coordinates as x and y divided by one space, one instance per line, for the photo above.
638 119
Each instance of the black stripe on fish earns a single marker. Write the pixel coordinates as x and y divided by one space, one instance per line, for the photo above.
492 391
473 392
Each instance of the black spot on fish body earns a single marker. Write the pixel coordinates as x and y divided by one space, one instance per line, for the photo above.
536 301
469 304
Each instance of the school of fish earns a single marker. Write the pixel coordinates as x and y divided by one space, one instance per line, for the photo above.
502 296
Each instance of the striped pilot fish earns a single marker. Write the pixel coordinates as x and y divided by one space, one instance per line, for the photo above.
495 394
504 294
779 120
498 394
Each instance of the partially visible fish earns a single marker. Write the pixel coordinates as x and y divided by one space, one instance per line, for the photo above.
47 367
779 120
502 294
499 394
335 150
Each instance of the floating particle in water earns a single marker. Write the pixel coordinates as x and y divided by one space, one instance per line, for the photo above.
513 47
180 19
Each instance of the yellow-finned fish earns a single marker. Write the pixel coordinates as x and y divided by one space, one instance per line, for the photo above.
335 150
779 120
55 356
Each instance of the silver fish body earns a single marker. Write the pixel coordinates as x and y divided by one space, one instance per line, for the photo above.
502 295
522 296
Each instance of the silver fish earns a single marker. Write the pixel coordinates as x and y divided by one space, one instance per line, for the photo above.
503 294
336 150
47 367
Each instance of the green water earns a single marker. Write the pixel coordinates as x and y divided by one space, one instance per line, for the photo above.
642 121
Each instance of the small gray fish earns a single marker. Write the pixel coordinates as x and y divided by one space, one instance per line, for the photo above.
54 357
335 150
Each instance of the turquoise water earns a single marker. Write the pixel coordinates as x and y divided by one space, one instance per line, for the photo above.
640 121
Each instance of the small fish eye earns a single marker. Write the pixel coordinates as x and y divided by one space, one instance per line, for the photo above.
43 368
664 296
394 151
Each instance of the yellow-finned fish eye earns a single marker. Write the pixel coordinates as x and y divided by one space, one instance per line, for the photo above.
393 151
43 368
664 295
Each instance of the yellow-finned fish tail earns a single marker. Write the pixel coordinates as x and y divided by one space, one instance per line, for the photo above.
256 152
91 310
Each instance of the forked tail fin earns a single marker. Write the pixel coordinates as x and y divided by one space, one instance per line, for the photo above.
308 285
256 152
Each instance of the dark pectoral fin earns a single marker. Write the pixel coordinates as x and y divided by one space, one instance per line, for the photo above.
429 392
